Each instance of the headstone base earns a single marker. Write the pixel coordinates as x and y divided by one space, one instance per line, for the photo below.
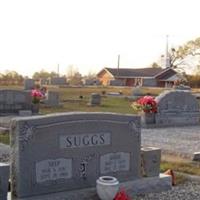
140 186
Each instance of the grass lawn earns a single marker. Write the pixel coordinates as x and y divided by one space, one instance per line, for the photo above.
70 98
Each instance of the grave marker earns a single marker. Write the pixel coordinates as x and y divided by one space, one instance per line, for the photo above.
62 152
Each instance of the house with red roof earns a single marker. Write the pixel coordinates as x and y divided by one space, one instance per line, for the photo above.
150 77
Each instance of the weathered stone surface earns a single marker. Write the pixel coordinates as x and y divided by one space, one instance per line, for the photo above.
150 159
12 101
177 108
25 113
95 99
52 98
68 151
29 84
4 176
135 187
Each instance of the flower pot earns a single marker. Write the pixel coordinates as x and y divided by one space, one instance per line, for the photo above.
35 107
107 187
148 118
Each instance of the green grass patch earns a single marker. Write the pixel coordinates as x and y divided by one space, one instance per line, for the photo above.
4 138
184 167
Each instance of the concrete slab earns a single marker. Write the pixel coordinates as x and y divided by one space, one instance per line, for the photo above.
140 186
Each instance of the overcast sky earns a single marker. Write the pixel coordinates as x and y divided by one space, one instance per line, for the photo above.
40 34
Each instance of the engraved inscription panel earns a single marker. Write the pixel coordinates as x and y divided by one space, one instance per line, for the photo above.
85 140
113 162
48 170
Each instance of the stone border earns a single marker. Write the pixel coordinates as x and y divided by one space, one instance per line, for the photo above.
140 186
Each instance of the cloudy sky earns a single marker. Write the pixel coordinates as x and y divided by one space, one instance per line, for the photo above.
89 34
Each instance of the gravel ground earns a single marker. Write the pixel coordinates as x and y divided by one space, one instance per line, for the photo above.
183 141
188 191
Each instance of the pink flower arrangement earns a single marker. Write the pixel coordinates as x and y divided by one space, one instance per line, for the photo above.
36 96
146 103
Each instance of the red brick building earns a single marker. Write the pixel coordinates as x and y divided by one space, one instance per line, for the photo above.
154 77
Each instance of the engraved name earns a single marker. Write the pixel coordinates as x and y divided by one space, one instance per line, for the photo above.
85 140
49 170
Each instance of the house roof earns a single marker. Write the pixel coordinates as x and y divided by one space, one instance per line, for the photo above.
134 72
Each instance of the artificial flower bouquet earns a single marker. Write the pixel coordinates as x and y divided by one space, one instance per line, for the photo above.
146 104
36 96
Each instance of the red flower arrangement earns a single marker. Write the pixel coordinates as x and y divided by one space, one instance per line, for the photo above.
121 195
36 96
146 103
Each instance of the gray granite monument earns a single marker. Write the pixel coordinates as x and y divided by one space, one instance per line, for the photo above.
177 107
52 98
29 84
63 152
95 99
150 160
12 101
4 176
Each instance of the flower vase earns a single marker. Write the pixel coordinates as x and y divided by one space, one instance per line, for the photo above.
148 118
35 108
107 187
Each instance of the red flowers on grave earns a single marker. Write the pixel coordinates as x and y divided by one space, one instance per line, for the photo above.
36 96
147 104
121 195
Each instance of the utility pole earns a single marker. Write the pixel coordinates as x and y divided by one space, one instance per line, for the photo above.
58 72
167 56
118 64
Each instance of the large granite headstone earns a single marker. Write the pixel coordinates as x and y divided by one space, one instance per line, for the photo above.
62 152
177 107
12 101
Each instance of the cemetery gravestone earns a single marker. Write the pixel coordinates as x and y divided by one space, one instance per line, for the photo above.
177 107
151 157
52 98
12 101
58 81
95 99
29 84
4 176
60 152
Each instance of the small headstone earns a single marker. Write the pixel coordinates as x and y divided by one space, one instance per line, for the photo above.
95 99
52 98
150 157
4 178
58 81
137 91
196 156
29 84
182 87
